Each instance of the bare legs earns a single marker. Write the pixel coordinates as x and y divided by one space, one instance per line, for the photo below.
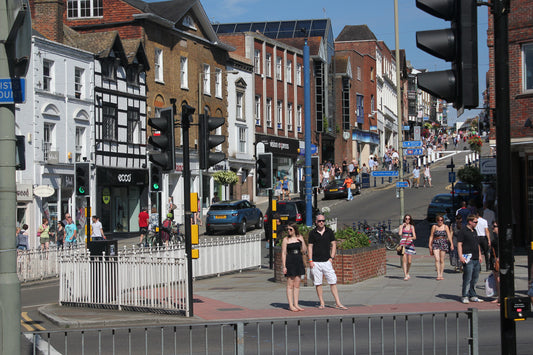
334 292
293 293
439 255
406 265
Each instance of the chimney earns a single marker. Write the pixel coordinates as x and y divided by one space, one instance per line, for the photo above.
47 18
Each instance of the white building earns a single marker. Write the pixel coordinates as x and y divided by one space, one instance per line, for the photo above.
57 123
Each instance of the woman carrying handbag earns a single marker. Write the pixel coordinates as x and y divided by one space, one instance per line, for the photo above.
408 235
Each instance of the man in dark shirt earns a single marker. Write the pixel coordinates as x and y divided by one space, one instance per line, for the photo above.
470 255
322 250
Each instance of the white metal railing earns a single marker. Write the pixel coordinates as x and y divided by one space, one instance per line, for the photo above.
140 281
150 278
38 264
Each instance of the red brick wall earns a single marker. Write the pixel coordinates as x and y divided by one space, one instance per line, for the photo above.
351 266
48 23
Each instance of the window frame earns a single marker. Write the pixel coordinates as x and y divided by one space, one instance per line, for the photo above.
269 112
79 81
279 114
48 75
206 80
184 72
257 61
79 143
134 120
241 138
298 74
289 116
289 71
239 106
109 129
299 118
48 139
218 83
257 110
527 56
268 65
279 68
158 65
95 9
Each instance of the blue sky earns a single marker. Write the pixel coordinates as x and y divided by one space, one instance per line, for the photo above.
377 14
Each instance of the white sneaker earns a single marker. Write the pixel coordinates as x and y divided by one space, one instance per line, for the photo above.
465 300
475 299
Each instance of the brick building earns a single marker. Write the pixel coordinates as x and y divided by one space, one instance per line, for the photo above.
520 39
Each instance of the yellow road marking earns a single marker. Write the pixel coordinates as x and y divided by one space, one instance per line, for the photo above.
29 323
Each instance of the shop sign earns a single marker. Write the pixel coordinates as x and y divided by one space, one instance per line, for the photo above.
43 191
119 177
278 145
24 192
106 196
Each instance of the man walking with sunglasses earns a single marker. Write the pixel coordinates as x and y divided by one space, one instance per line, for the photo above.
322 249
469 252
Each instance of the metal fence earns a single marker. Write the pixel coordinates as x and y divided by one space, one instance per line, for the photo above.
150 278
131 282
217 255
423 333
39 264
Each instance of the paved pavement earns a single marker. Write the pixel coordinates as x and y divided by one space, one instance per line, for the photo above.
253 294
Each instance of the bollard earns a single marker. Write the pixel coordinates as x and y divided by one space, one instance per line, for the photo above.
374 181
382 180
390 179
389 224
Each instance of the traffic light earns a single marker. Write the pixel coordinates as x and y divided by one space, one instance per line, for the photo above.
208 140
517 308
314 171
163 138
83 178
264 171
155 178
458 45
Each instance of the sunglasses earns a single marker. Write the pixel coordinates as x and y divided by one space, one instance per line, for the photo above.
320 220
474 221
290 229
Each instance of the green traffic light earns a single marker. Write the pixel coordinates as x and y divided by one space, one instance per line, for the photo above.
155 186
81 190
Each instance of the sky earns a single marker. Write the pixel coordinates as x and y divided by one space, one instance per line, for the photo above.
377 14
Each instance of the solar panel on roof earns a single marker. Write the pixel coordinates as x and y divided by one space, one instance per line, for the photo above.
258 26
243 27
226 28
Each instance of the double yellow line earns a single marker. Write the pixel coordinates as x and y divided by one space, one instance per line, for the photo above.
28 323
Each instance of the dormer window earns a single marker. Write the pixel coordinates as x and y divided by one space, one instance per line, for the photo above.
188 22
84 8
109 68
132 74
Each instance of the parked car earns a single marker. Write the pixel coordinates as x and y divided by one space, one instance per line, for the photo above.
289 211
233 216
439 203
465 190
336 189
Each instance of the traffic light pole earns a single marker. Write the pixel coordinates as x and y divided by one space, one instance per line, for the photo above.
399 107
185 124
270 237
503 163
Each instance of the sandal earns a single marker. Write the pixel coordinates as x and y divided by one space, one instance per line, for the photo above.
322 306
341 307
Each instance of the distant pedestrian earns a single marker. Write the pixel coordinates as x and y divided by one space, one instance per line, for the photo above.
60 234
348 185
439 238
143 224
166 229
22 238
454 254
322 251
292 249
215 198
470 255
482 230
71 231
285 187
427 176
153 226
408 235
463 211
44 234
416 176
277 188
97 229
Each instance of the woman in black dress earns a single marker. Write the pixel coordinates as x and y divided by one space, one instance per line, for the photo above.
292 249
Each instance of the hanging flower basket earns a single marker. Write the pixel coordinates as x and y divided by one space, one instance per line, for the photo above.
475 143
226 177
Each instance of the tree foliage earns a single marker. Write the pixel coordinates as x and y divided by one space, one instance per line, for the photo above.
470 175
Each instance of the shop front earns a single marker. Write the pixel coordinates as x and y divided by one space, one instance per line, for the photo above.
366 145
120 194
285 154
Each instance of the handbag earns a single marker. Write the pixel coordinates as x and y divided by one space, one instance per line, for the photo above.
400 249
490 285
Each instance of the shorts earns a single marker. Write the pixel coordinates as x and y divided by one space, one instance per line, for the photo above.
44 240
22 247
143 230
323 269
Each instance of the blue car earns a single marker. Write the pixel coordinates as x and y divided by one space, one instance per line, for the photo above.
439 203
234 216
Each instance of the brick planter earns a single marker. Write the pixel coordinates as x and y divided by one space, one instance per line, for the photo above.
351 266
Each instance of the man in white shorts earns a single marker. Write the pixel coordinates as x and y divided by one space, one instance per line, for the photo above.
322 250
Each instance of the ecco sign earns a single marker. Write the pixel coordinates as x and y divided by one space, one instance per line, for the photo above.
124 177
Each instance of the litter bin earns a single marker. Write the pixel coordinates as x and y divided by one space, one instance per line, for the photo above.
104 271
365 180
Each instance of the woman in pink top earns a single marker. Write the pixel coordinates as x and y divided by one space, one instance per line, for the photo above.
408 235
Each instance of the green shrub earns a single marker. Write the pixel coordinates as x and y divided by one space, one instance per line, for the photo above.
347 238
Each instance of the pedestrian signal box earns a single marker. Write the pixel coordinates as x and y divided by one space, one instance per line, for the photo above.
517 308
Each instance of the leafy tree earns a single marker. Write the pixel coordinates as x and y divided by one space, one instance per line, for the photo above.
470 175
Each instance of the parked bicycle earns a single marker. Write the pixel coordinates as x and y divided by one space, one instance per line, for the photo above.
379 233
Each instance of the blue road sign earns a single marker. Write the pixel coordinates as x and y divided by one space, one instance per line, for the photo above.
451 177
385 173
406 128
402 184
314 149
413 151
411 144
12 90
